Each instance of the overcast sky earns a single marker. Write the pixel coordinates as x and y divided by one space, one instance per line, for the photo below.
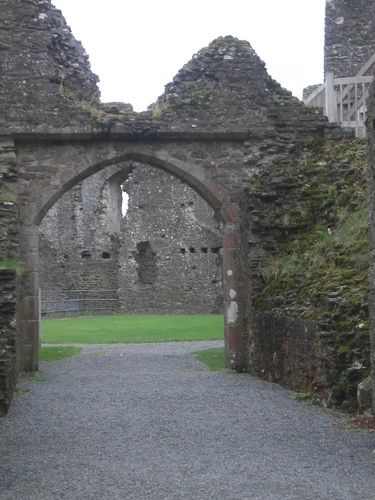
137 46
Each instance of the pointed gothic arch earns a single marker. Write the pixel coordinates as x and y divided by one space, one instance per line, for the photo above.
72 167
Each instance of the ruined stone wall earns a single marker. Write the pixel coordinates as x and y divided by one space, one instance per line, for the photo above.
371 193
9 251
171 248
163 257
308 322
41 86
8 353
349 36
78 246
222 125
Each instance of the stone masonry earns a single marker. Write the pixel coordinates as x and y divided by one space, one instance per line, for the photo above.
371 184
171 248
163 257
349 36
222 124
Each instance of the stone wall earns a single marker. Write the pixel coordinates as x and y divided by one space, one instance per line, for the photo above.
349 40
163 257
308 319
42 86
78 251
9 251
371 186
8 353
226 129
171 248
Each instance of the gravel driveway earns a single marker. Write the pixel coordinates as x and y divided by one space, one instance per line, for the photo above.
148 421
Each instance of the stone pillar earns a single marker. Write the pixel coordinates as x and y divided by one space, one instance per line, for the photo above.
28 310
234 323
371 200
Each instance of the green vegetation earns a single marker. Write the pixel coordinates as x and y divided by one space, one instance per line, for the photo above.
302 396
320 265
158 109
56 353
213 358
21 389
11 264
38 377
310 397
342 383
9 198
132 329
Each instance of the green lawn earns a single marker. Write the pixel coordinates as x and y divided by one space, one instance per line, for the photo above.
132 329
56 353
213 358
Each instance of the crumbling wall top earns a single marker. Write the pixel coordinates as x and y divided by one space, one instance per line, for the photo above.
47 84
226 83
45 72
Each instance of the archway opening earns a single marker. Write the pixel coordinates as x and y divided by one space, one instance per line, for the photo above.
164 256
195 177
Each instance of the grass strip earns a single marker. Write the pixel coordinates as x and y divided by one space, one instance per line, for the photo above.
56 353
213 358
132 329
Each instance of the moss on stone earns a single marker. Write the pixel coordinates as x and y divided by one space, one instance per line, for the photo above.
318 269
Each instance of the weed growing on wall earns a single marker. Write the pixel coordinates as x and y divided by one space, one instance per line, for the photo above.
319 266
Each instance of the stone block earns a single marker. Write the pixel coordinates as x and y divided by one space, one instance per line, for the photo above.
365 395
28 358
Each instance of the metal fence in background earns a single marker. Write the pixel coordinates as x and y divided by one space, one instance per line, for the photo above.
77 302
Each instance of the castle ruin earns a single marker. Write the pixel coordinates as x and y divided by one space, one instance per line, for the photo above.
223 128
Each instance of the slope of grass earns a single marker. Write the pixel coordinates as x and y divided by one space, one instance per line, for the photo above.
132 329
56 353
213 358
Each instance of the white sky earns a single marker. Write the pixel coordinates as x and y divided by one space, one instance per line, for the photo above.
137 46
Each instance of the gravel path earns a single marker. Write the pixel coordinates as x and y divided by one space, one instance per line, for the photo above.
150 422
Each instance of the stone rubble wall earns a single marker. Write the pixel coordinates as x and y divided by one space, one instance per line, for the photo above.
371 190
9 249
222 118
87 244
8 351
171 248
42 86
73 242
349 36
308 332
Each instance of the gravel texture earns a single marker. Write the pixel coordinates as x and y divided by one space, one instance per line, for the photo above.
148 421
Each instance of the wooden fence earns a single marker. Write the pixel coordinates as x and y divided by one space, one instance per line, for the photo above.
343 100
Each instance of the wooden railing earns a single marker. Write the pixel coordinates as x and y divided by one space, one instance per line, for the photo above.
343 100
